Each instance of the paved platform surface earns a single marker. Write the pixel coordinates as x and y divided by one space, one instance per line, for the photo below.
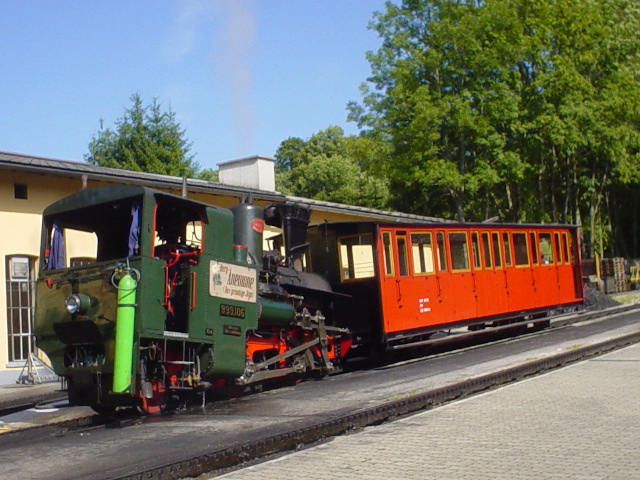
580 422
16 392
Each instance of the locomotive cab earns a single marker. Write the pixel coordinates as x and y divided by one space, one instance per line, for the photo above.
144 296
167 246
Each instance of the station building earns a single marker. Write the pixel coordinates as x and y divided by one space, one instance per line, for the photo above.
28 184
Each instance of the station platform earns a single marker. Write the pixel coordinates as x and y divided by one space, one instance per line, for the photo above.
579 422
16 394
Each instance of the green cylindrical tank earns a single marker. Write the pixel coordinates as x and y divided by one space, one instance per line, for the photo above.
125 321
275 311
248 226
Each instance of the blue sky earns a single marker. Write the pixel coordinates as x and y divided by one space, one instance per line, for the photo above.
241 75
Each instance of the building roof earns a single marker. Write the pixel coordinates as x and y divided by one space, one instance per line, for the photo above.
67 168
71 169
370 213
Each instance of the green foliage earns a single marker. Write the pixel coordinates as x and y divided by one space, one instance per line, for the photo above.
145 139
209 174
330 167
523 109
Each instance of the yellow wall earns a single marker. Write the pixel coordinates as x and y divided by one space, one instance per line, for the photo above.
20 222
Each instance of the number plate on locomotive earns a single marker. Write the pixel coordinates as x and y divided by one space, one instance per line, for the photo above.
232 311
233 330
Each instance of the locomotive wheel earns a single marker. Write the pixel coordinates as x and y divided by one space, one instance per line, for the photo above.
158 401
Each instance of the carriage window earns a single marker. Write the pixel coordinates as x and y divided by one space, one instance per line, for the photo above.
486 246
557 247
422 253
565 248
534 247
459 251
546 248
388 254
507 249
573 248
475 247
356 256
403 260
497 258
520 250
442 253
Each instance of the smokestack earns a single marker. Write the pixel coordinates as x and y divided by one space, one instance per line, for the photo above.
293 219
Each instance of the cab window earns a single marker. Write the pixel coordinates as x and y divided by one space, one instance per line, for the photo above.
356 256
176 226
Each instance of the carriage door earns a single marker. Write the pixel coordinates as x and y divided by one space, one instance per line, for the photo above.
394 283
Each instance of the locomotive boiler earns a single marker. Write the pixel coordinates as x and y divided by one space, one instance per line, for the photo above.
143 296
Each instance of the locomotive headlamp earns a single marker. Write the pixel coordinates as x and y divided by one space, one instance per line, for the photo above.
78 303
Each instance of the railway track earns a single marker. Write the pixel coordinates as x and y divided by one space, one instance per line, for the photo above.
232 451
439 344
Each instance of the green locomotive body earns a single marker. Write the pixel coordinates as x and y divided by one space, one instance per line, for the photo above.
144 294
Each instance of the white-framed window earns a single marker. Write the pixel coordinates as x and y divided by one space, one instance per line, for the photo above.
20 306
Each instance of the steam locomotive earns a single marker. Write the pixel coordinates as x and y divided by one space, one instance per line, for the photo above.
144 296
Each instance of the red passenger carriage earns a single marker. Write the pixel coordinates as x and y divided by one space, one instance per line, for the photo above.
408 281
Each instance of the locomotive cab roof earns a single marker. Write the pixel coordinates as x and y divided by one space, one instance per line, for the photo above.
111 193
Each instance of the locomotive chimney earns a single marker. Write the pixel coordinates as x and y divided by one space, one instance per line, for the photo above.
248 226
293 219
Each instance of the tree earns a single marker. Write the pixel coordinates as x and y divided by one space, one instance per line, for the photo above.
525 109
330 167
210 175
145 139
